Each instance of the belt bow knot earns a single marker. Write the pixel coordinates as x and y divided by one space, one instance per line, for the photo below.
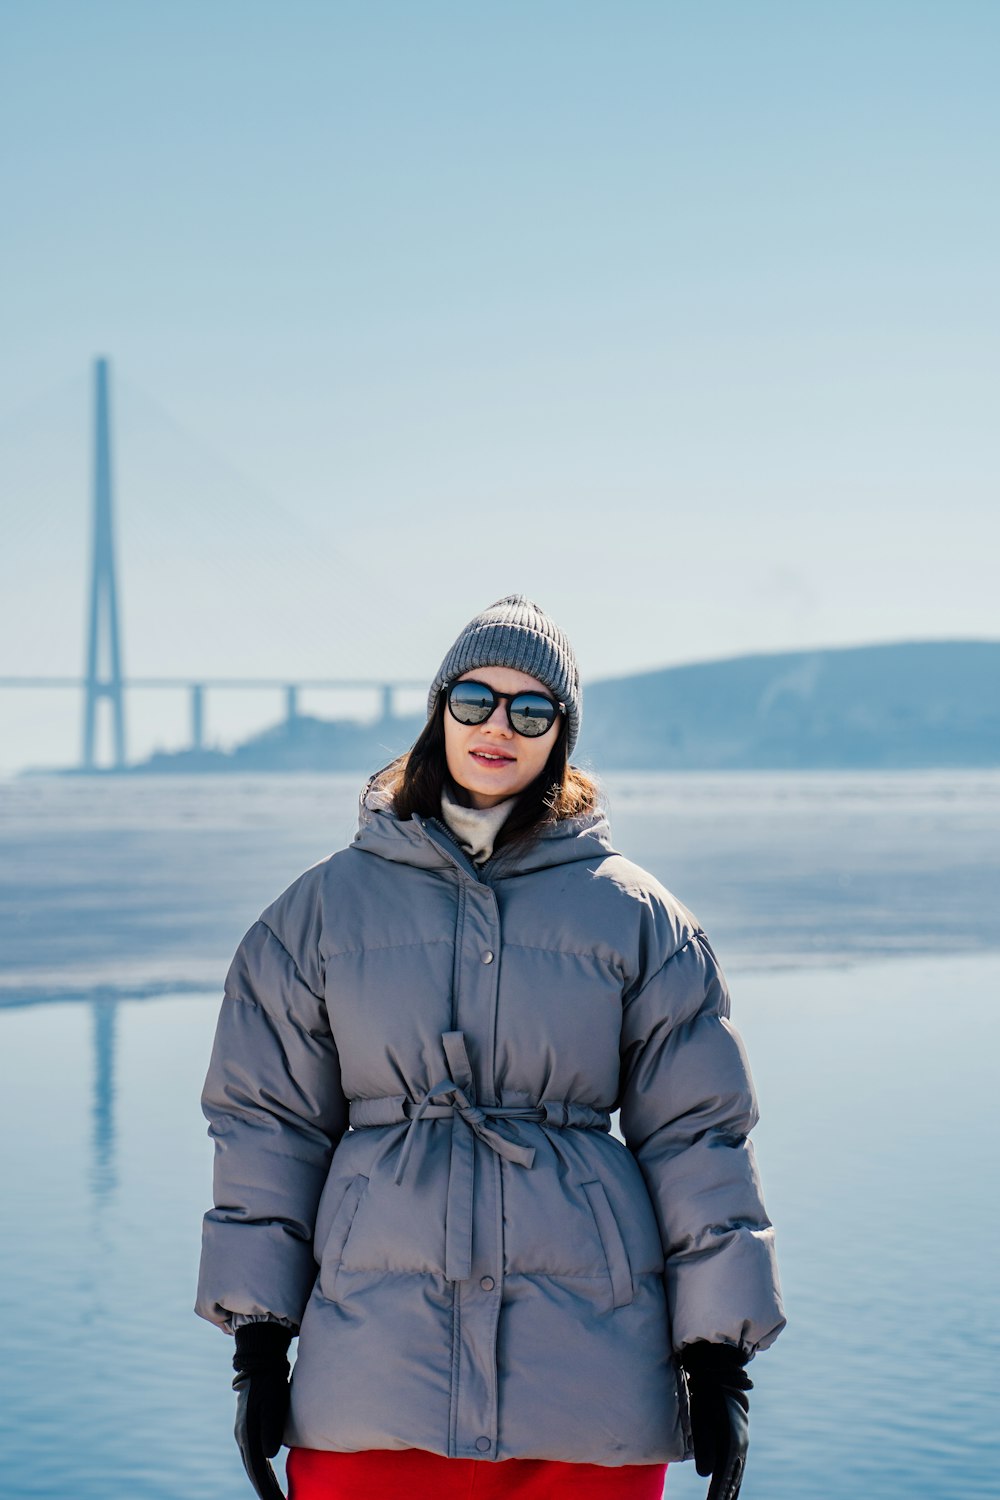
447 1093
454 1099
455 1095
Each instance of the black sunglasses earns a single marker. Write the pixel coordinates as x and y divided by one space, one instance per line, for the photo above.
531 714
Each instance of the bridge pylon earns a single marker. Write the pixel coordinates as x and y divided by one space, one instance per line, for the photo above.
103 643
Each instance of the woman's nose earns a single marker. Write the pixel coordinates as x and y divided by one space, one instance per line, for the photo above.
498 718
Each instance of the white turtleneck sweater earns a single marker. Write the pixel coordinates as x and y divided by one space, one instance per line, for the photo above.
475 828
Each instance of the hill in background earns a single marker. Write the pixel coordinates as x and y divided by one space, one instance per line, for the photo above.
933 703
911 705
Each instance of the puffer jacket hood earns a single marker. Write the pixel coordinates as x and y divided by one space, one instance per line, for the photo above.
411 1091
428 842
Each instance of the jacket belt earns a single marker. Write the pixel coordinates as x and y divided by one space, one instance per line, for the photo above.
454 1096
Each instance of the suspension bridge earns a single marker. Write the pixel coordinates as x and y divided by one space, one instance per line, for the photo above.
103 685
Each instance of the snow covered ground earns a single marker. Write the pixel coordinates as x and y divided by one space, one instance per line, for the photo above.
146 886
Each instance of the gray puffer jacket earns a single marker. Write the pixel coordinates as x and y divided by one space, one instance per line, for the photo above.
410 1095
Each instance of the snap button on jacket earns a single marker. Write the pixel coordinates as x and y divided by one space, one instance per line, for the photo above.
410 1094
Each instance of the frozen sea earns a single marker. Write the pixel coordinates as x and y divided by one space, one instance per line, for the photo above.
858 919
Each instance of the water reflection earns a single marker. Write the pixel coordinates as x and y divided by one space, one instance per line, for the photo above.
111 1387
104 1026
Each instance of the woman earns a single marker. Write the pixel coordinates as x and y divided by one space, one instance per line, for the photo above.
492 1295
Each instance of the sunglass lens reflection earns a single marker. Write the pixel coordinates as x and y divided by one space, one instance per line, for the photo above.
531 714
471 702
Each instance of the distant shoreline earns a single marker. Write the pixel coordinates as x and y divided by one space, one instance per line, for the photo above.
916 705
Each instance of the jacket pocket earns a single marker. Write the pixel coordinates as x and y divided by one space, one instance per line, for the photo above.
336 1240
615 1254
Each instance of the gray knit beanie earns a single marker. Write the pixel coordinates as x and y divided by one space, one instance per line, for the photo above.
516 633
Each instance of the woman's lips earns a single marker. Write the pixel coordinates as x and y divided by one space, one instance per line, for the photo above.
492 759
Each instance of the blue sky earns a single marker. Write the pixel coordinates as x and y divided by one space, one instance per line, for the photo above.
682 319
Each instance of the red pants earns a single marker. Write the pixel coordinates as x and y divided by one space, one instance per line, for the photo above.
379 1474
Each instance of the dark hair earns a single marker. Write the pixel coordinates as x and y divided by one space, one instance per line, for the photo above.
415 780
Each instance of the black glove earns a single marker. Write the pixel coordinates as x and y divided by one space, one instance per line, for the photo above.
717 1386
262 1400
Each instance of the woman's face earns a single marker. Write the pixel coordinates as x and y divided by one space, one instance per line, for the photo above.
491 761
